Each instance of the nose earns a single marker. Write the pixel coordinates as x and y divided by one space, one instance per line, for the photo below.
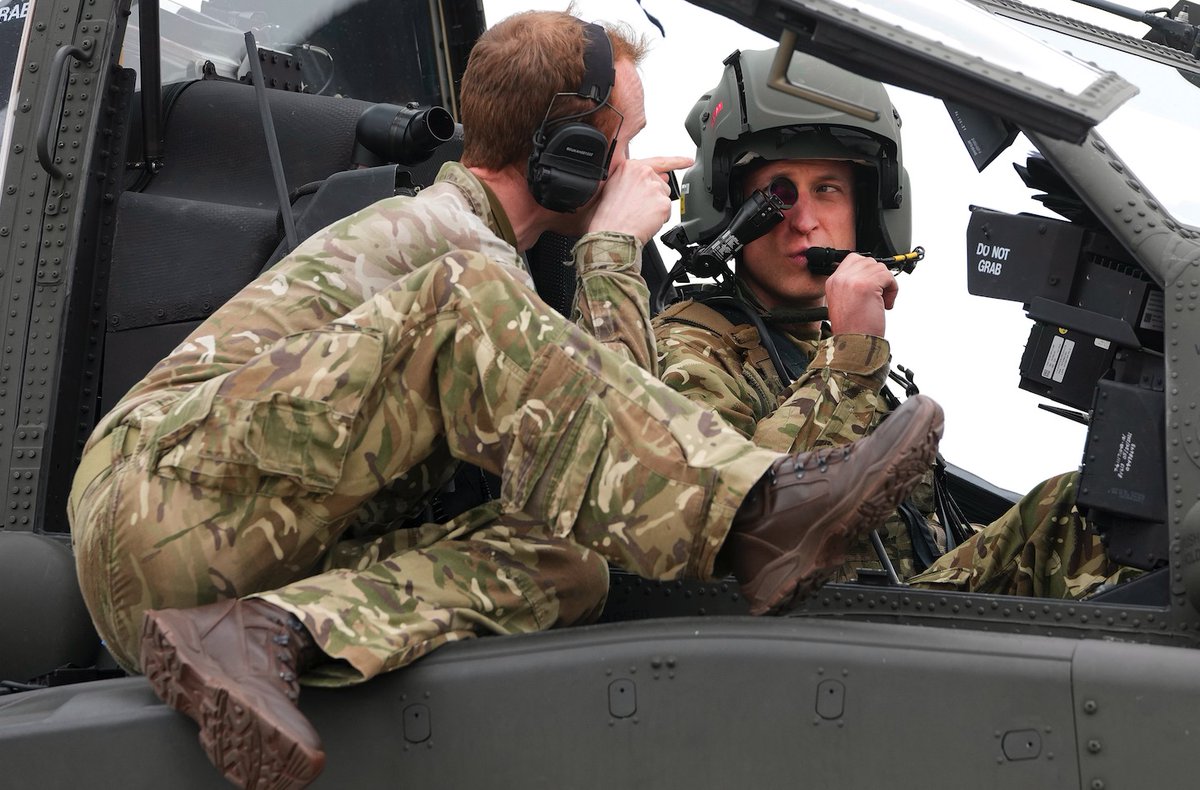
801 217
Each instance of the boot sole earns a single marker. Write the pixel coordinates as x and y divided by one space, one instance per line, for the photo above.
793 575
251 751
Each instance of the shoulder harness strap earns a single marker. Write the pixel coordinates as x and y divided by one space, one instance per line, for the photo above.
741 336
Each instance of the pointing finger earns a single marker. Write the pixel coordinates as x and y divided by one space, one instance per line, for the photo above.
663 164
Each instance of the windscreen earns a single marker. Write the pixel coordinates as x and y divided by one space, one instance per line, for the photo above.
12 34
1155 132
375 50
959 53
972 30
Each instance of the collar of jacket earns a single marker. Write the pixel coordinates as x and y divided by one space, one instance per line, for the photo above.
804 336
481 199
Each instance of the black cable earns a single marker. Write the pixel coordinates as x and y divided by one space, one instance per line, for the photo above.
763 335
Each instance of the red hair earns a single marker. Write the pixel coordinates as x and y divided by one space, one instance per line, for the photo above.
513 74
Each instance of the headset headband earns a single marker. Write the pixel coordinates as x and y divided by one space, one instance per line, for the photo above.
599 73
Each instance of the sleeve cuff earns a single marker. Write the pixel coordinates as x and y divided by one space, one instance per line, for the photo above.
860 355
607 251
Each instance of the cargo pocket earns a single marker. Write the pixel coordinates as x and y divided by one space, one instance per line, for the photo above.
299 438
559 434
281 422
193 445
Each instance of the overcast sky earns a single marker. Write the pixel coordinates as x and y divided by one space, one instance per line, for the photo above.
966 350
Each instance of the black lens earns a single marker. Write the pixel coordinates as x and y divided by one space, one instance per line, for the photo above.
782 188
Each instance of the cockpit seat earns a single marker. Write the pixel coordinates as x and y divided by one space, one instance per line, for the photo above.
193 234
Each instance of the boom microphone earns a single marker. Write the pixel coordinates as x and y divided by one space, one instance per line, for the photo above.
825 260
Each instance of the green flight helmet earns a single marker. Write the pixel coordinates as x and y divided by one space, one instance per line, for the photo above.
742 120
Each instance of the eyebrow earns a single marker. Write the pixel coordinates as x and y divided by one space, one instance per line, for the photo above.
830 175
834 175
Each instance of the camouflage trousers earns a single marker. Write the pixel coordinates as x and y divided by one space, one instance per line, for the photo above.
245 484
1042 547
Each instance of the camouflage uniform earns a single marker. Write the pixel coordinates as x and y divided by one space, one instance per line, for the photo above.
834 401
1040 547
276 449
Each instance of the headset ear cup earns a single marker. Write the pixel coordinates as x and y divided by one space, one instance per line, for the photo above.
566 167
565 170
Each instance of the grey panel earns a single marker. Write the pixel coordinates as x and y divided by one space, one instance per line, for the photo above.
732 702
43 622
1137 715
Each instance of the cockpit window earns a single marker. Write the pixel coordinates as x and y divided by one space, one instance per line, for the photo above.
1155 128
12 33
965 28
12 26
375 50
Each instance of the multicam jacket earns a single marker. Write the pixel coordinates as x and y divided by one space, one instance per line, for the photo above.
322 280
720 361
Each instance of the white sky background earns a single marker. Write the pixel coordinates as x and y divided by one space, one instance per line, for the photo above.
965 350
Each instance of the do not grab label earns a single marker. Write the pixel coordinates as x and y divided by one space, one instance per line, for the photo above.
14 12
991 258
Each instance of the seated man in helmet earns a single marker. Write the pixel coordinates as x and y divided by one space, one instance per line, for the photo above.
238 517
754 348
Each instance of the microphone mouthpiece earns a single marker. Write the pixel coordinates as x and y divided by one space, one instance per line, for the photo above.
824 260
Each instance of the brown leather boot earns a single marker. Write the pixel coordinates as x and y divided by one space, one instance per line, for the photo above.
233 667
794 528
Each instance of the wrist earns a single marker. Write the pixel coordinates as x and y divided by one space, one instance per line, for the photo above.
607 250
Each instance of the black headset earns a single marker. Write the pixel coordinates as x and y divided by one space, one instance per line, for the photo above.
567 165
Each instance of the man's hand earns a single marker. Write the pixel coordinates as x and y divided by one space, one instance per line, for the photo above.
857 294
636 199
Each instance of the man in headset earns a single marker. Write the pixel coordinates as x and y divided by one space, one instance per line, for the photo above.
755 350
236 516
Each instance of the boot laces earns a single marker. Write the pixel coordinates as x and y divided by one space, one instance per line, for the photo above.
821 459
290 639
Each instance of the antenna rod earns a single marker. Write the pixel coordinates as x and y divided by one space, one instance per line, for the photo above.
1114 8
264 109
1165 24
